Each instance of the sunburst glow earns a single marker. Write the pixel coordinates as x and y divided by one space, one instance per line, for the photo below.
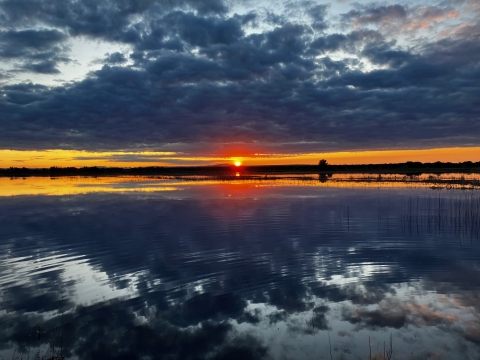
238 163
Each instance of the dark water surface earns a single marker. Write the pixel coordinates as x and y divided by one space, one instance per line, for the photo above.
240 271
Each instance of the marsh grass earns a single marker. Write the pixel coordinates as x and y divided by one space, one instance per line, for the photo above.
458 217
433 181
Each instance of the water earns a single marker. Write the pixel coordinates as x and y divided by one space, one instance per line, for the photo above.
119 268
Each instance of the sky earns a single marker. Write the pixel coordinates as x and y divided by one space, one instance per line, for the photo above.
163 82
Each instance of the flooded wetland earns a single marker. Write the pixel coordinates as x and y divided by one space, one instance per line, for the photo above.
286 267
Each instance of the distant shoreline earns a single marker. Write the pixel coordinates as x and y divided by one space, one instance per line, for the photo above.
408 168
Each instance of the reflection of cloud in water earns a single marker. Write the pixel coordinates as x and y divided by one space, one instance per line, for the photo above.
108 330
394 313
205 276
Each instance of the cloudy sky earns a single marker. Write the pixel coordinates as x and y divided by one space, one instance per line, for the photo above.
201 80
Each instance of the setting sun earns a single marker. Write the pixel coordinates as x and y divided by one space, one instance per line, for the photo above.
238 163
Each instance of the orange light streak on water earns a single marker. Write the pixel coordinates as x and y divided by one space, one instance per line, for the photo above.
126 184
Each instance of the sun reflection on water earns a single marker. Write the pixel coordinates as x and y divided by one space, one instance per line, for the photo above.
58 186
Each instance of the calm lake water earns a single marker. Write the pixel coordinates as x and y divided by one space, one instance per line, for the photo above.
138 268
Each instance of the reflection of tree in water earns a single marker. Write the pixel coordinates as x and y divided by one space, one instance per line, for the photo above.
324 177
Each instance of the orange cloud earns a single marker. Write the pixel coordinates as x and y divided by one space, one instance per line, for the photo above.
428 18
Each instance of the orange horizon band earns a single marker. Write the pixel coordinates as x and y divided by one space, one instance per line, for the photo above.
76 158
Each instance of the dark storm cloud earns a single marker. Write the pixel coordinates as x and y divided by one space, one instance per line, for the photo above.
115 58
24 93
96 18
203 31
29 39
37 51
351 42
383 54
44 67
179 30
106 19
199 77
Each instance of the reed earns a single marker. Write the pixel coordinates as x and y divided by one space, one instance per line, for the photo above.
459 217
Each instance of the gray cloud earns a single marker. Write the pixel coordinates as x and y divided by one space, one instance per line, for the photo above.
44 67
30 39
318 14
203 31
371 13
115 58
199 77
34 50
4 75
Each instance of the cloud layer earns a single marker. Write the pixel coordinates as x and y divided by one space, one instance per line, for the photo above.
206 73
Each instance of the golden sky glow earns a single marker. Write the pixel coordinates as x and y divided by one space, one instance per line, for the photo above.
64 158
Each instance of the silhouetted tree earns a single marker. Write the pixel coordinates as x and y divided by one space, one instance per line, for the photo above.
323 164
